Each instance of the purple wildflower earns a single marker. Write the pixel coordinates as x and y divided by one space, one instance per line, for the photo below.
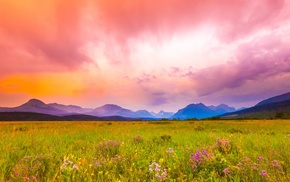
204 152
263 173
197 156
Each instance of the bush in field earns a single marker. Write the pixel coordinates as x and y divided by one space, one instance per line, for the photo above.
69 167
138 139
223 145
212 161
31 168
234 130
199 128
165 137
109 148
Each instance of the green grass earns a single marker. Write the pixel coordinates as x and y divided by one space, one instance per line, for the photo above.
242 150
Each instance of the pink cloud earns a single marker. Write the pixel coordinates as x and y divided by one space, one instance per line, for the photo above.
233 19
262 58
144 20
56 32
46 32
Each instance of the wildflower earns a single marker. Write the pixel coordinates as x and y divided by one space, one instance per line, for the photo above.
263 173
68 165
76 167
158 171
151 167
223 145
254 167
204 152
157 167
276 164
170 151
109 144
226 171
260 158
199 157
162 176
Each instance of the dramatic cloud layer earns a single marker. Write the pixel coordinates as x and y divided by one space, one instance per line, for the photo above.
144 54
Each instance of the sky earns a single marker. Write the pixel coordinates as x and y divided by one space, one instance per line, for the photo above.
144 54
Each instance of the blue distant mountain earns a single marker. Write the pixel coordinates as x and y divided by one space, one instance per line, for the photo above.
198 111
162 114
222 108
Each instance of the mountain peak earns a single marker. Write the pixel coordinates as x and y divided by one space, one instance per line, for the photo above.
196 105
198 111
222 108
222 105
35 102
111 106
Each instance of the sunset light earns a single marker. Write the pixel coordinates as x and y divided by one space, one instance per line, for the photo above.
144 54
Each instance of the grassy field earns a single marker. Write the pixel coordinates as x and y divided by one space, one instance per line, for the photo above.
145 151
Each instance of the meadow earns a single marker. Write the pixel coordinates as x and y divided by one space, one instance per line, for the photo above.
230 150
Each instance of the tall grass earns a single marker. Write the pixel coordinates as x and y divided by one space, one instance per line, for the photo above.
145 151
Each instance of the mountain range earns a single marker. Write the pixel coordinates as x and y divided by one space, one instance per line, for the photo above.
274 99
55 109
268 108
162 114
274 107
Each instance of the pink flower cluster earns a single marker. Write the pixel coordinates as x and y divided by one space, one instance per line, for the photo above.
159 172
